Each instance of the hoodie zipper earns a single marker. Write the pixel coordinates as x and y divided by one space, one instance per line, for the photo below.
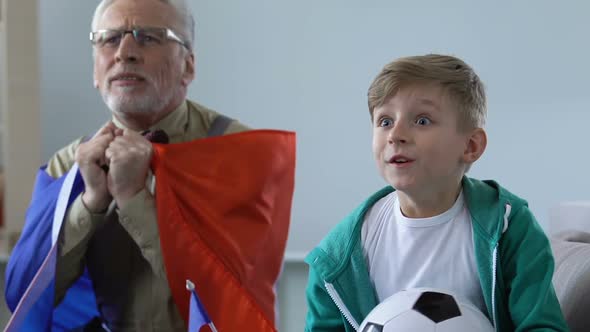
341 306
495 266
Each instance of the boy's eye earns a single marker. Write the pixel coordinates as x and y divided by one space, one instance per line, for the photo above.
385 122
423 121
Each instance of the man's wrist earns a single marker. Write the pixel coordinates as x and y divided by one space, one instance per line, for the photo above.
123 198
95 204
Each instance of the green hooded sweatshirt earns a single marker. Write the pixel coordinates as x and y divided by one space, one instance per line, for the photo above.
513 257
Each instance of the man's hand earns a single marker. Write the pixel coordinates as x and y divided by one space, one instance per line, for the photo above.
90 156
128 156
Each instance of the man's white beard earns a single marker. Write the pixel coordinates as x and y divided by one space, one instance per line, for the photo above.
146 103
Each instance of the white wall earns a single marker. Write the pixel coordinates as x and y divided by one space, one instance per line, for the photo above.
305 66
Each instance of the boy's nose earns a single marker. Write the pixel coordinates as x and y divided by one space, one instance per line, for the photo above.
398 134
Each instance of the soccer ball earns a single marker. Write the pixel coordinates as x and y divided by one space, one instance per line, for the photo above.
427 310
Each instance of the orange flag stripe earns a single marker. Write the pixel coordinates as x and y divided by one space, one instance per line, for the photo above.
224 206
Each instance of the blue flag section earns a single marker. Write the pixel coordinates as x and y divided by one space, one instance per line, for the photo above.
30 288
197 314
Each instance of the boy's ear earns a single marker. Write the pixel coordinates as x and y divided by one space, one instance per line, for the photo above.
476 145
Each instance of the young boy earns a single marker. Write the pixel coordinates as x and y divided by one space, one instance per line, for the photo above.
433 227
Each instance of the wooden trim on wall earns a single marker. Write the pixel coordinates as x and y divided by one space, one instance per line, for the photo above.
19 108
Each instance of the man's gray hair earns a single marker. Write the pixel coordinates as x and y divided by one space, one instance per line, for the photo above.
182 11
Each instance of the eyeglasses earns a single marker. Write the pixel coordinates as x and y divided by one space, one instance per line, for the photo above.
111 38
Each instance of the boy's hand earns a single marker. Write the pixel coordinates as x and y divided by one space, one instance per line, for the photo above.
90 157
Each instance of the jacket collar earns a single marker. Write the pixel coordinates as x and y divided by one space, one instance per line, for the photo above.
485 200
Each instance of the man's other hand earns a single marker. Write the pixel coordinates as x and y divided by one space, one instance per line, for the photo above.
90 157
128 156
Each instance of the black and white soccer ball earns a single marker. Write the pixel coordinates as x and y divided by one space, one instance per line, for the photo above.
425 310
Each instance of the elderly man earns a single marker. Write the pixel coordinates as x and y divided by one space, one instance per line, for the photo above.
143 63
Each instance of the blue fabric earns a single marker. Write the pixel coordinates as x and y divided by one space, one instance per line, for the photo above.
197 316
79 305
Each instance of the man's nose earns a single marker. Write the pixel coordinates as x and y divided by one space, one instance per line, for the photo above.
128 50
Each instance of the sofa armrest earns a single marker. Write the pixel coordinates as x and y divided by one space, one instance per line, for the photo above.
572 236
571 278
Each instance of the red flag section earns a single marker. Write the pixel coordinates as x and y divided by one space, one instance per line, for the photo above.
224 206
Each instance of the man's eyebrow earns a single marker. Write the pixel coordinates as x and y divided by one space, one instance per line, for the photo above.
124 27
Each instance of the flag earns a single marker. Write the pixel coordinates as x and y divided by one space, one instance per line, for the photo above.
197 314
223 210
225 222
30 287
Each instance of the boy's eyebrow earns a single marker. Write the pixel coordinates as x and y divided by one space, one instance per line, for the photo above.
428 102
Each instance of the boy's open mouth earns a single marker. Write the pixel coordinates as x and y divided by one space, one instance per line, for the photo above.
400 160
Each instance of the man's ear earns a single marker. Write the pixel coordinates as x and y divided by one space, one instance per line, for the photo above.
476 145
94 79
189 69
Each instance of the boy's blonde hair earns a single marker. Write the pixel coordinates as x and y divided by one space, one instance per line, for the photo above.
458 79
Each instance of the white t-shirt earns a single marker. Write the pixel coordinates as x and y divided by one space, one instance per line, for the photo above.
436 252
